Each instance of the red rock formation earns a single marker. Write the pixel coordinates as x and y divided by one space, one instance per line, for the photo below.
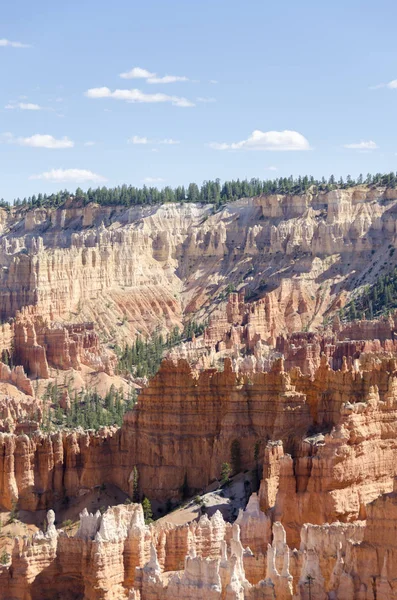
384 328
28 352
331 454
16 376
40 469
39 345
116 556
185 423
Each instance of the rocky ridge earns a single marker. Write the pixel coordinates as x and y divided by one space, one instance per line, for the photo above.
115 555
149 265
277 386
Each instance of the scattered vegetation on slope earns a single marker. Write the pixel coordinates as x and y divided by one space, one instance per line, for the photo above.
143 357
87 409
210 192
375 300
63 408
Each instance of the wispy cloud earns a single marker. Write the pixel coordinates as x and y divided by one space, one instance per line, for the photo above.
271 168
153 180
369 145
267 140
143 141
169 142
139 73
135 95
4 43
167 79
136 139
205 100
69 176
214 81
392 85
38 141
23 106
89 143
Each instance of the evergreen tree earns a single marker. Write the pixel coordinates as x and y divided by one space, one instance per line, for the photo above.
135 484
147 510
210 192
225 473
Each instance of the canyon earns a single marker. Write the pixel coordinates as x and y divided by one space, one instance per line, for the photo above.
300 403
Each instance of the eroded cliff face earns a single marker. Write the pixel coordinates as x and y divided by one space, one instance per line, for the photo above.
184 426
308 405
115 556
330 458
135 269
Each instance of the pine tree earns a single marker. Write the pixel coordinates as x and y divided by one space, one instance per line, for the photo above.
147 510
225 473
135 485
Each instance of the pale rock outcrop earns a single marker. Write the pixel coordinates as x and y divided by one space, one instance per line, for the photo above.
112 263
335 560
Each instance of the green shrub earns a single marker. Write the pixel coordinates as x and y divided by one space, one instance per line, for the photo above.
147 510
225 473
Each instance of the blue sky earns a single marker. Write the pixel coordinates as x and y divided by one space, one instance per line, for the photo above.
322 72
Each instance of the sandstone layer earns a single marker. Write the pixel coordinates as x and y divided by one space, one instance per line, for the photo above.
135 269
116 556
276 386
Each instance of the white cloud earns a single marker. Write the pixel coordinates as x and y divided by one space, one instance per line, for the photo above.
169 141
392 85
45 141
370 145
213 81
136 139
167 79
69 176
4 43
89 143
135 95
205 100
267 140
137 73
39 141
28 106
153 180
24 106
271 168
